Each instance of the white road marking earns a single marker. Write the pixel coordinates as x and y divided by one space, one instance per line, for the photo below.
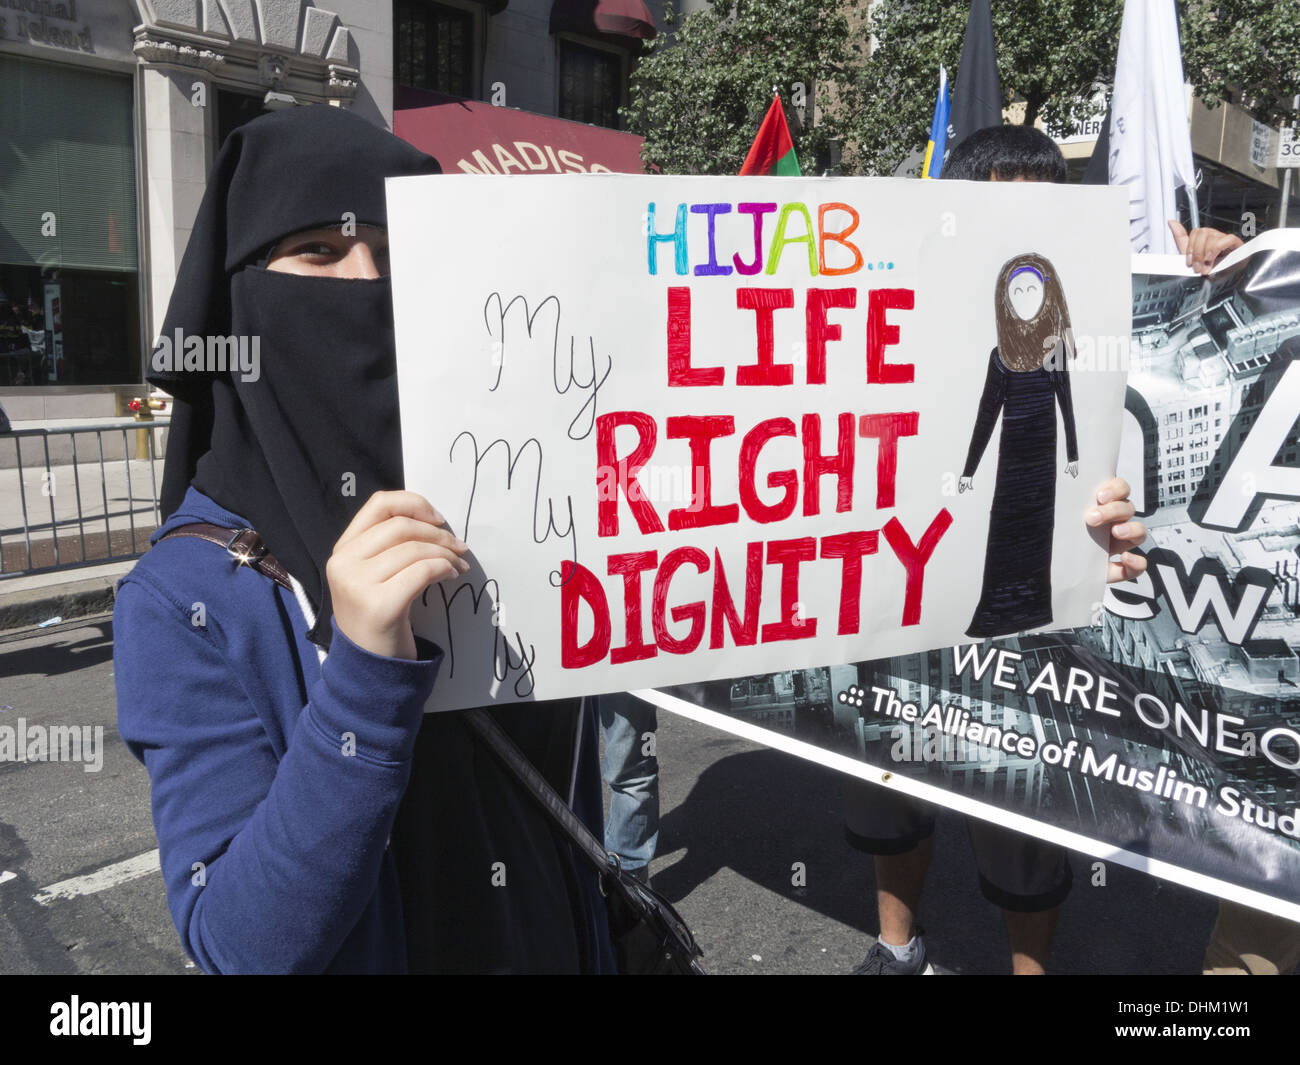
101 879
6 875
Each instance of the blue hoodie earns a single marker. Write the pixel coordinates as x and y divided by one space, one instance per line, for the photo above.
275 779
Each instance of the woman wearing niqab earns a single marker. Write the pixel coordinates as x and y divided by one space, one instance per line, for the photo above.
310 816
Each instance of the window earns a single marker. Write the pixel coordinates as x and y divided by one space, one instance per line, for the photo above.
435 47
591 84
69 288
233 110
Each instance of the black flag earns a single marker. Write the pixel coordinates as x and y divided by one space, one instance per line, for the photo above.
977 94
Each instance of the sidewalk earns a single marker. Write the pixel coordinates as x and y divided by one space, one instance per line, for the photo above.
118 513
27 602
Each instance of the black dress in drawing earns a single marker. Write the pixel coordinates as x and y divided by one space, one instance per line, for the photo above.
1026 381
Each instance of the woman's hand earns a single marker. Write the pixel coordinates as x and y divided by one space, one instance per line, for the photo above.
391 552
1114 509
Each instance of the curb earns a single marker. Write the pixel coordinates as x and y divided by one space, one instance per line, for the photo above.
69 599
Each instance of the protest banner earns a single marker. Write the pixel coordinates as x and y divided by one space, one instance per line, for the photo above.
699 428
1165 736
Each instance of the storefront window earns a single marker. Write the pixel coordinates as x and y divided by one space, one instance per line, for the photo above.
69 299
591 84
435 47
234 109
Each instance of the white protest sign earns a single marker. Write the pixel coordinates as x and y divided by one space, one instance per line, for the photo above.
697 428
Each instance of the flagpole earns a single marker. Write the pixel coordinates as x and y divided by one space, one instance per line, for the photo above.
1286 181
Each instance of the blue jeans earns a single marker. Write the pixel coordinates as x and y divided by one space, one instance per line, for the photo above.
632 827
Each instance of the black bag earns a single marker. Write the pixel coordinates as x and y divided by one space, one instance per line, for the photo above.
650 937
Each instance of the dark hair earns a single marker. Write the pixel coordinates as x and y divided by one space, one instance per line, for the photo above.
1007 153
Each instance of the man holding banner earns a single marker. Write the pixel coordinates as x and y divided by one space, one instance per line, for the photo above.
1026 877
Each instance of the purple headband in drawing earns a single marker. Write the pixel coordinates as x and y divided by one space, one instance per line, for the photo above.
1023 270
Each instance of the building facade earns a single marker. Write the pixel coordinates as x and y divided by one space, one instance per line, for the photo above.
113 111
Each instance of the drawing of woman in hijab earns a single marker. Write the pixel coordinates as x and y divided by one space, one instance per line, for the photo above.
1027 379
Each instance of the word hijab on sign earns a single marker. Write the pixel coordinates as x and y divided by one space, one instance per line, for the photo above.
827 451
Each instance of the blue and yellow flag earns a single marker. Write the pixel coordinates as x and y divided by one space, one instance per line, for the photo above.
934 150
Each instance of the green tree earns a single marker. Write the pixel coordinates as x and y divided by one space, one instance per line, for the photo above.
1246 51
699 93
1052 55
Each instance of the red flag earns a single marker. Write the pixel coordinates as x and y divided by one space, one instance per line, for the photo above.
773 150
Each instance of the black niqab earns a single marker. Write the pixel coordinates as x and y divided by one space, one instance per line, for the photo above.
296 446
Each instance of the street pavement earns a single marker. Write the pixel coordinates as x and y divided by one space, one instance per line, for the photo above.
736 819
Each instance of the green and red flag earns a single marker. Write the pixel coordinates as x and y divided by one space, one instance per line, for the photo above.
773 150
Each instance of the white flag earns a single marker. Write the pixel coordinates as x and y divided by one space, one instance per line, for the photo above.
1150 136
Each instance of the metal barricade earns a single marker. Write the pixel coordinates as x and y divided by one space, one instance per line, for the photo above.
40 531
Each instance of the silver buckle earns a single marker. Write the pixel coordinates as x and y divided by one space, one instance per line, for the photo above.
617 863
244 556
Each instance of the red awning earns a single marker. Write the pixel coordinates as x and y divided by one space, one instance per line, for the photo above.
467 136
614 18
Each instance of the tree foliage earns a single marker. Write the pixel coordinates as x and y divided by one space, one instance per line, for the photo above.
1246 51
1052 54
699 93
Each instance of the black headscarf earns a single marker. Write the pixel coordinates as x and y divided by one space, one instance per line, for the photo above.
297 446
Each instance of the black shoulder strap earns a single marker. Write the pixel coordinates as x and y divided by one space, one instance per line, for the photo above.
500 744
651 910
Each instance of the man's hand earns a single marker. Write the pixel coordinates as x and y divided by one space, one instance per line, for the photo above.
1203 247
1113 506
392 551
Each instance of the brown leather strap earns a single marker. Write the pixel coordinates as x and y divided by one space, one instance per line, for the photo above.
243 545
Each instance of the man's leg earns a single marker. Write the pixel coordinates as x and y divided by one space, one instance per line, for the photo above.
1031 940
1029 879
1248 942
898 832
900 879
631 770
